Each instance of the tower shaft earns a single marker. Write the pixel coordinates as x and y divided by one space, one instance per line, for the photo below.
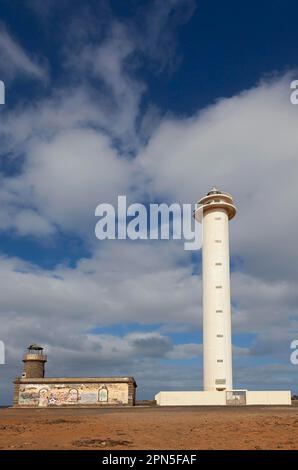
34 366
217 339
214 211
34 362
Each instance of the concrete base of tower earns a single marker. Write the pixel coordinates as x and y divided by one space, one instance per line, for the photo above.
224 398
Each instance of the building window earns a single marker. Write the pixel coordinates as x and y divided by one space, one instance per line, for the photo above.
220 381
219 311
103 395
218 241
219 360
217 218
218 264
219 336
218 287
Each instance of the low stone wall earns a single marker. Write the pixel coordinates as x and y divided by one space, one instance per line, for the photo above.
71 392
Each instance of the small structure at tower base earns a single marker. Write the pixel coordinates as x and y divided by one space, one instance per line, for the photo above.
230 398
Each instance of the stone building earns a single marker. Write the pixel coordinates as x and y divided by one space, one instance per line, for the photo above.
33 389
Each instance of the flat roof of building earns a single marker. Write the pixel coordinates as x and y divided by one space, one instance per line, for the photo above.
62 380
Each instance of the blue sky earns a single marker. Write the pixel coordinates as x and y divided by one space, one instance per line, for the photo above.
158 101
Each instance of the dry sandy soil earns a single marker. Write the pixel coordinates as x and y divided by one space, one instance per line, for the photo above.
150 428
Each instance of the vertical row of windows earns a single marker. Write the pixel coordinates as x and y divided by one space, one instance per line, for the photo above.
219 311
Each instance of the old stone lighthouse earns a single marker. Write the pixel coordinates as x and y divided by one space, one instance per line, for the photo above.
33 389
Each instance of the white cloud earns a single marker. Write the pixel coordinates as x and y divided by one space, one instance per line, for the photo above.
83 169
246 145
121 283
155 28
236 143
15 61
27 222
64 178
118 93
263 305
185 351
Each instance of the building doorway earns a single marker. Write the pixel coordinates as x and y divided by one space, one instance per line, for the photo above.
236 397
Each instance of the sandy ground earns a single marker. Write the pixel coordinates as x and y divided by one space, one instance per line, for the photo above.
150 428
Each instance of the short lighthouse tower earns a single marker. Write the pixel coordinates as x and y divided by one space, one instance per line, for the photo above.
34 362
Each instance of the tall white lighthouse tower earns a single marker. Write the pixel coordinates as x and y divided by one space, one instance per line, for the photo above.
214 211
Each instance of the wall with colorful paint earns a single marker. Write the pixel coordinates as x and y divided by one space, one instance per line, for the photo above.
62 394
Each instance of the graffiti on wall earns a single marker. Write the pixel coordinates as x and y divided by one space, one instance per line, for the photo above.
44 395
48 397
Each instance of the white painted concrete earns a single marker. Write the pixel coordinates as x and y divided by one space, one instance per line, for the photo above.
190 398
280 397
214 211
215 398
